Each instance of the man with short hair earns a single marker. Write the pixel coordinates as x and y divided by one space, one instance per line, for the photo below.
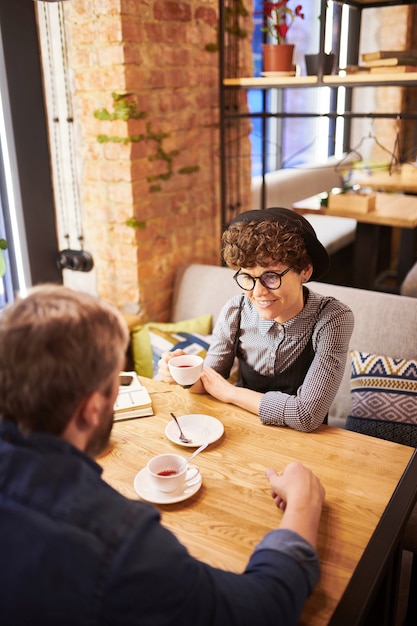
73 550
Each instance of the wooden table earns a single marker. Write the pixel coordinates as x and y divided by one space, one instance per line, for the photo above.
370 491
384 181
392 209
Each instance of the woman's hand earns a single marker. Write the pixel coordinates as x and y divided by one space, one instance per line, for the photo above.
216 385
165 375
220 388
163 369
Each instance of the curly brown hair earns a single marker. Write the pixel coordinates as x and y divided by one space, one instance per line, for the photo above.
246 244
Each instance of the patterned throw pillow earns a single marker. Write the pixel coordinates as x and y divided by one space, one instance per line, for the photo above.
384 397
150 340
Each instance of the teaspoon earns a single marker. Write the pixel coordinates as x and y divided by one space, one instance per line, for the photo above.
200 449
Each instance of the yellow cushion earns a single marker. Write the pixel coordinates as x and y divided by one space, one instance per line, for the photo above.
151 339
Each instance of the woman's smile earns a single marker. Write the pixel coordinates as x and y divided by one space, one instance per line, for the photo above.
264 303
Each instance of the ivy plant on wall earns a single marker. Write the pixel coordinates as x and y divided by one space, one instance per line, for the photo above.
126 109
3 246
232 13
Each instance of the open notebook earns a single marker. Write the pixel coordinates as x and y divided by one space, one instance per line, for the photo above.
133 399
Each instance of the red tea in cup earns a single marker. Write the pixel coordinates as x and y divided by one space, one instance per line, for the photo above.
186 369
167 472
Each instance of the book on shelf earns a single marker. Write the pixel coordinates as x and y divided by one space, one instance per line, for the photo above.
133 399
355 69
391 62
395 69
388 54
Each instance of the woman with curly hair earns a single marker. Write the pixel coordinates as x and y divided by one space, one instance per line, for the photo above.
291 342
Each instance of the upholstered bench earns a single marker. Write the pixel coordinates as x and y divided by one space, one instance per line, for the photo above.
286 186
409 284
385 326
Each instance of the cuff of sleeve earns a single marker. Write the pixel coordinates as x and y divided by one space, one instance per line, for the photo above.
271 410
292 544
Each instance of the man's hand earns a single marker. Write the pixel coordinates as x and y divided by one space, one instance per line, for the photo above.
299 493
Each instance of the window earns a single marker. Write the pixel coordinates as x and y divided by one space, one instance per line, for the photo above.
16 277
27 206
293 141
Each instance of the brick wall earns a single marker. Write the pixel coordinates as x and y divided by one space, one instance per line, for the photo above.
160 168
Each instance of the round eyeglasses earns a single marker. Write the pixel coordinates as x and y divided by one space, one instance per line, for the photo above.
270 280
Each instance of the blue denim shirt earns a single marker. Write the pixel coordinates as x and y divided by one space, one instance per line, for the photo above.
74 551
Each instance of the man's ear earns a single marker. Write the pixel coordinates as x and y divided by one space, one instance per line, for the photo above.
89 411
84 421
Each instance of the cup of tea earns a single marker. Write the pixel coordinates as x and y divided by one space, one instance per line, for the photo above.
186 369
170 472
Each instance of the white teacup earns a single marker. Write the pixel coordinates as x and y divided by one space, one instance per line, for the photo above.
170 472
186 369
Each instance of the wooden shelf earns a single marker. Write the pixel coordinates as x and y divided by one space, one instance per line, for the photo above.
366 78
350 80
271 81
363 4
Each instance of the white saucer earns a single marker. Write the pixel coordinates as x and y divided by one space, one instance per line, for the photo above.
147 491
198 427
277 74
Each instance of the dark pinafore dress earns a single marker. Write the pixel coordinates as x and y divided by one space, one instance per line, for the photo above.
287 381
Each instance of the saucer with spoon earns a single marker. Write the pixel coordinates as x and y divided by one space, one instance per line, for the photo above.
194 429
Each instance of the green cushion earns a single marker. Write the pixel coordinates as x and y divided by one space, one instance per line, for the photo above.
384 397
153 338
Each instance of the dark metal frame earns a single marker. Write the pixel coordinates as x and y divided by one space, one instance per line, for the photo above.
24 78
355 23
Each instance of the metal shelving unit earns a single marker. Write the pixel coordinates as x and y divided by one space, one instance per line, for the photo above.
228 84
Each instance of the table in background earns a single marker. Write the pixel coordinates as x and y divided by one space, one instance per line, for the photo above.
370 491
384 181
392 209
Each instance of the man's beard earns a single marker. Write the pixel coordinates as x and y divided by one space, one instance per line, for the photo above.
100 438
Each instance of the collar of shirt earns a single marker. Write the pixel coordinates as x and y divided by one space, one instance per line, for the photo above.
44 443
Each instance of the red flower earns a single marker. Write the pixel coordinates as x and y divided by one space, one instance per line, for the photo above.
280 18
282 29
298 10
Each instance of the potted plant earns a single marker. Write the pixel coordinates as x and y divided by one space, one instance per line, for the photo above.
278 19
313 63
322 62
